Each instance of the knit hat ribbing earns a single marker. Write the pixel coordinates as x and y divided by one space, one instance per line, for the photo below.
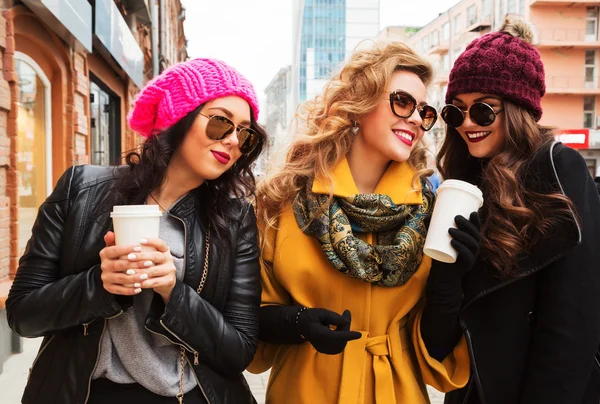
182 88
502 64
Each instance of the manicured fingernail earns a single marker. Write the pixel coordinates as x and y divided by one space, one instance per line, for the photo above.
138 249
137 290
131 256
148 263
143 241
137 285
130 272
143 276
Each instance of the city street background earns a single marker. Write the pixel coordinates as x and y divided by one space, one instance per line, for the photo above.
72 69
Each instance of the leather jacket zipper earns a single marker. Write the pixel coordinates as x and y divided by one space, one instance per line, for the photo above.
87 396
196 377
187 348
38 355
181 342
98 354
185 239
85 325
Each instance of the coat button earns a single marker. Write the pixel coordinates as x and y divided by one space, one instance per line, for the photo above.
531 317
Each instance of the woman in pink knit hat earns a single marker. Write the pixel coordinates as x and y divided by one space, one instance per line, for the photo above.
530 307
121 324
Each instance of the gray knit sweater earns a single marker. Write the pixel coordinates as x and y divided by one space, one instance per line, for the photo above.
129 353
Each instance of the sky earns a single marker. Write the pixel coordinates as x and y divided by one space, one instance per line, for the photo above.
255 36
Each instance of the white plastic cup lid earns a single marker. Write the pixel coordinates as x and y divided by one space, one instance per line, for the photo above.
463 185
136 211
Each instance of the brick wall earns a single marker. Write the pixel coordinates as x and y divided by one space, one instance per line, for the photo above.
80 108
6 50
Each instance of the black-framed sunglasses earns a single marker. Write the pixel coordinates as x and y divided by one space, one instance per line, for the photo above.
480 112
403 106
219 127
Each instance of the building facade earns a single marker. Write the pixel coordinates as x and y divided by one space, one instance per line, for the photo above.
569 44
70 72
325 33
279 112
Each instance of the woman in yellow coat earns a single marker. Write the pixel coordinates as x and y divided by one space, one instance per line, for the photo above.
343 227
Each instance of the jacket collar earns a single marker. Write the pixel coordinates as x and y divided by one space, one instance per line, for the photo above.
186 204
396 183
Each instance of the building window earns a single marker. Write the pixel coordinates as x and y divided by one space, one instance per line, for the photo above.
425 43
486 8
457 51
446 63
589 108
435 38
446 31
471 15
511 7
522 7
457 27
591 25
590 68
105 131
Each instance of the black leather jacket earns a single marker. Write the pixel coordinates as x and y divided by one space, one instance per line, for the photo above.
58 294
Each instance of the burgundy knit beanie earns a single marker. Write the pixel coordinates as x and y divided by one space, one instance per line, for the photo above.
502 63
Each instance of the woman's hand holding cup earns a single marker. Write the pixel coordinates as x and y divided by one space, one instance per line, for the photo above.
158 270
120 275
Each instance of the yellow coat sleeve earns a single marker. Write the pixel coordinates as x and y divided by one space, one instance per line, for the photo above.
272 294
450 374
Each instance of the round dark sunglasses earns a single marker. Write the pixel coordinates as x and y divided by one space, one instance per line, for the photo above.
480 112
219 127
403 106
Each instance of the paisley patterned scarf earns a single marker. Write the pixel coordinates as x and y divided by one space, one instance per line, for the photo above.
400 231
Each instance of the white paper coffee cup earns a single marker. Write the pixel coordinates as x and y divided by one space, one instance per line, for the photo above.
454 197
131 223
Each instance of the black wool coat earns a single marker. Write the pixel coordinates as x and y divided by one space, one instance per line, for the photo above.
533 338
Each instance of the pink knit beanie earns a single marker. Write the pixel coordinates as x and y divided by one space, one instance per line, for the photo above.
182 88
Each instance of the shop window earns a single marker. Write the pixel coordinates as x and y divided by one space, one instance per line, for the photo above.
105 134
34 142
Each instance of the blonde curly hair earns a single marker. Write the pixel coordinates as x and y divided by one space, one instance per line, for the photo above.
324 126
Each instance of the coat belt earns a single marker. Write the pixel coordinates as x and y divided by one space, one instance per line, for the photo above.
354 363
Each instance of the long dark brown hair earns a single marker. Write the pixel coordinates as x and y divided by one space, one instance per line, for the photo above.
148 168
516 217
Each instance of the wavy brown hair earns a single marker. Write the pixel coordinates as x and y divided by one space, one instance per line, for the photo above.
516 217
324 126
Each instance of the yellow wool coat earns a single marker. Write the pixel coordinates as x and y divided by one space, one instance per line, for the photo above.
390 363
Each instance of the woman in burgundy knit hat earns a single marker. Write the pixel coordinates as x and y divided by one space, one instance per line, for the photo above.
122 324
530 306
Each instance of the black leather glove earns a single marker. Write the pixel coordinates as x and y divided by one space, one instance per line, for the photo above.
314 326
439 325
296 324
